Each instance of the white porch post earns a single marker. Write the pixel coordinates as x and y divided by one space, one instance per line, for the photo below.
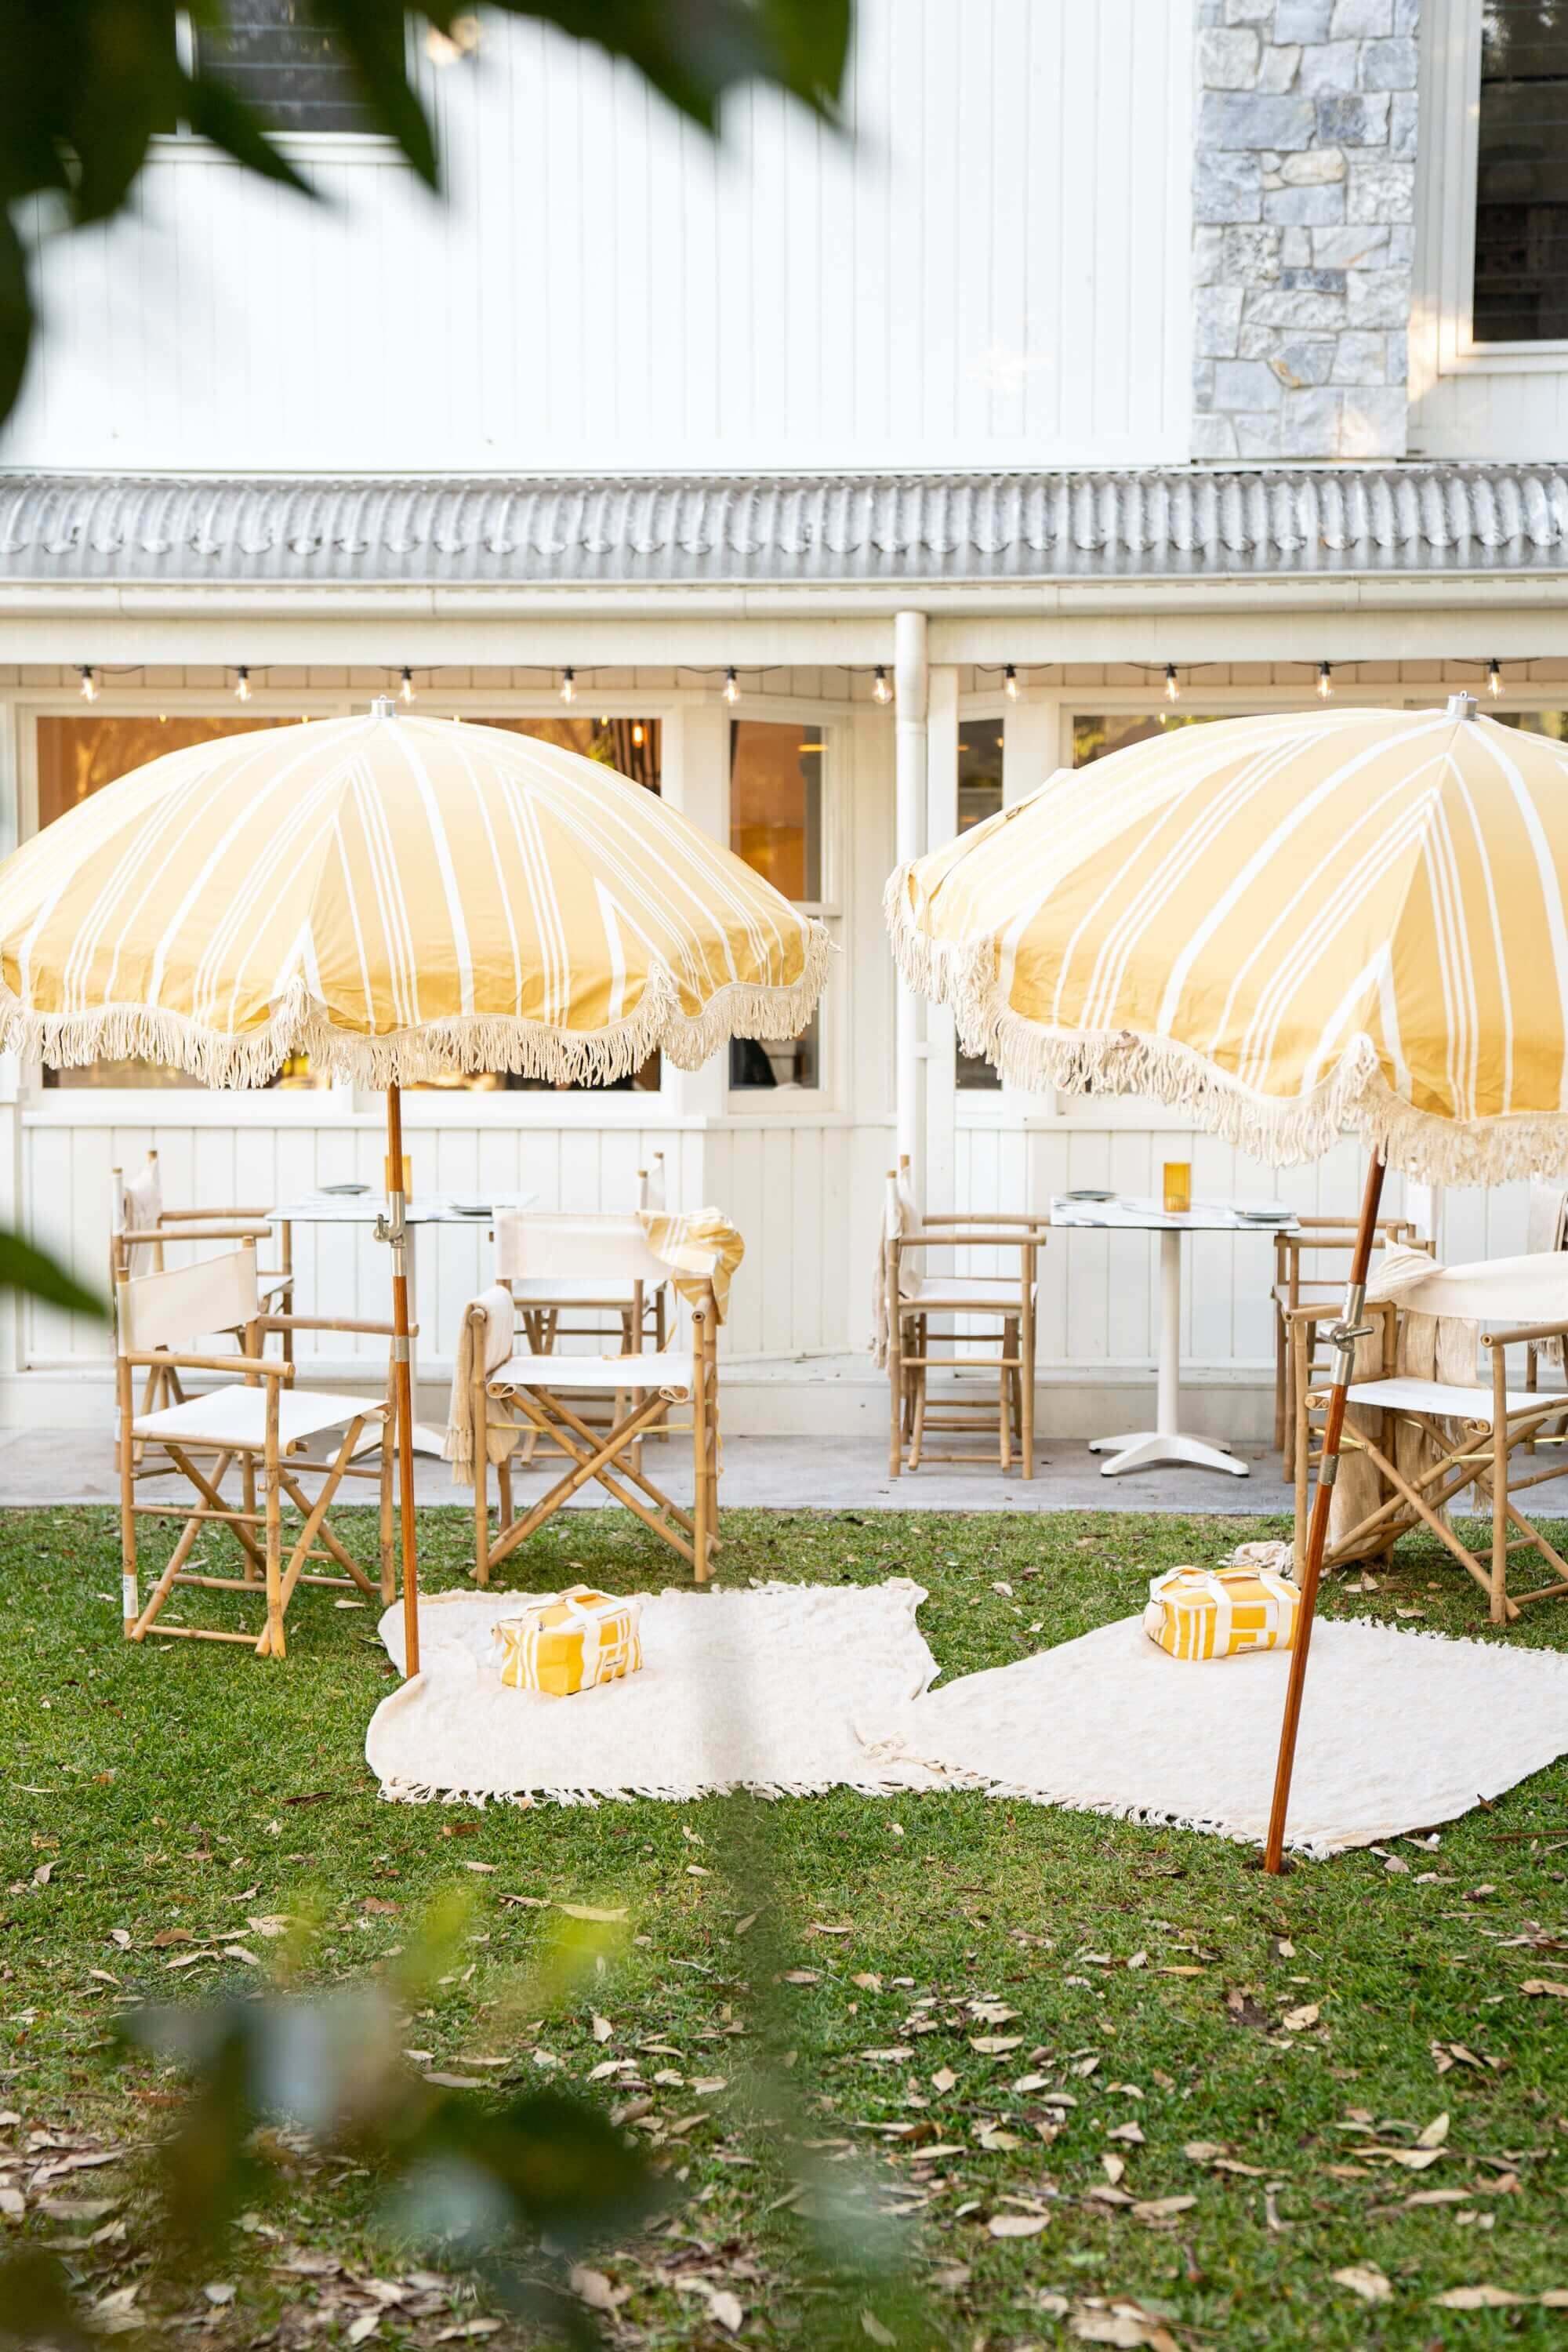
694 778
911 680
940 1056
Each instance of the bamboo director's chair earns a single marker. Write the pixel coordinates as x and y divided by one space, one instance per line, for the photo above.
1471 1433
1000 1349
141 1227
538 1393
551 1310
1319 1238
258 1419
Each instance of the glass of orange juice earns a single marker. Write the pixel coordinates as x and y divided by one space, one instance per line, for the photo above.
1178 1174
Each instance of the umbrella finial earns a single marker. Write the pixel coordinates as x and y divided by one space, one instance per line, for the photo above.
383 707
1462 706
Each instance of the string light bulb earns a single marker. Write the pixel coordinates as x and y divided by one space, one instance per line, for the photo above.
731 687
1010 683
1494 677
1173 683
405 690
242 683
880 689
568 686
639 733
89 683
1325 681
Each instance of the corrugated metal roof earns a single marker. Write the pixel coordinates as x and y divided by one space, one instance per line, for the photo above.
783 530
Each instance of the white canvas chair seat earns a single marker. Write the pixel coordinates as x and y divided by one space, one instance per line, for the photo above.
1443 1400
1496 1303
604 1375
236 1417
255 1423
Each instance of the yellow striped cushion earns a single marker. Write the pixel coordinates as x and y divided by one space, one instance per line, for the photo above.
566 1641
1216 1612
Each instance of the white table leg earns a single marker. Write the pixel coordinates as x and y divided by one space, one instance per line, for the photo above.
1141 1449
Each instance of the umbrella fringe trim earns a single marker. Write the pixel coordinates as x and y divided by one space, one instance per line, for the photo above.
1355 1098
458 1046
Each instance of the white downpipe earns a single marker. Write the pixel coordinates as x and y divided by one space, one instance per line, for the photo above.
912 682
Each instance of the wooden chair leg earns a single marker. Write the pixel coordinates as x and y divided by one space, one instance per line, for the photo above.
271 1644
507 1511
1027 1369
386 1543
1498 1599
1301 1437
479 1430
896 1379
1005 1394
700 1400
130 1606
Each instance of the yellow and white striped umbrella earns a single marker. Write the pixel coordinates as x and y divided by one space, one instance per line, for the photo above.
1288 926
399 897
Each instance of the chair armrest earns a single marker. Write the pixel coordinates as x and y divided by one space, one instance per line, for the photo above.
1530 1331
329 1323
231 1217
956 1240
1025 1219
270 1367
193 1233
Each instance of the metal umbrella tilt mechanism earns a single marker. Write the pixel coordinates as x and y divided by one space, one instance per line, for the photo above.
1288 928
401 899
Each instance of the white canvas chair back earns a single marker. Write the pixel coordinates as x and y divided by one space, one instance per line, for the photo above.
1546 1216
176 1310
651 1193
574 1250
1493 1292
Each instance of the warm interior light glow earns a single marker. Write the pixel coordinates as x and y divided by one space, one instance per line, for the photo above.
1173 683
1325 681
880 689
568 686
731 687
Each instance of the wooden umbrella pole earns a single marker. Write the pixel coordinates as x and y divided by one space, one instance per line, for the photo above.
395 1231
1344 1337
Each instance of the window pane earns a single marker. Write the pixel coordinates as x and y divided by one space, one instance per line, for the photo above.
775 825
77 756
273 55
632 747
1097 734
979 796
1521 173
1553 723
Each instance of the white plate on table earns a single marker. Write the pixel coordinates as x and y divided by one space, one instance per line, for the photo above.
342 1191
472 1209
1090 1199
1268 1216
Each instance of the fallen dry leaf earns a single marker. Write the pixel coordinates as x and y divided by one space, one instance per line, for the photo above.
1370 2284
1298 2021
872 2326
994 2045
1161 2208
1434 2133
1477 2298
1553 1987
593 1912
1014 2225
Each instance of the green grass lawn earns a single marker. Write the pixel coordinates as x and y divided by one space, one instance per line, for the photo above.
812 2079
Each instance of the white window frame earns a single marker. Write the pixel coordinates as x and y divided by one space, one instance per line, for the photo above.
187 147
1442 336
805 1103
342 1104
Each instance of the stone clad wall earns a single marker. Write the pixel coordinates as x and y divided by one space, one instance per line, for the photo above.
1303 200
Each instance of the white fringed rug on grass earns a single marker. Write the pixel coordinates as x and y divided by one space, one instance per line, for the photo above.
1399 1731
757 1689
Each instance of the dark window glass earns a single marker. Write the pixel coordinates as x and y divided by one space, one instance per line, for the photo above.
979 796
1521 175
775 825
274 55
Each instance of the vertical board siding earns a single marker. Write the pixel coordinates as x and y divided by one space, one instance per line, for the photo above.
605 287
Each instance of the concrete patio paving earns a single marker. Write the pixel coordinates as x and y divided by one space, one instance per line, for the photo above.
40 1468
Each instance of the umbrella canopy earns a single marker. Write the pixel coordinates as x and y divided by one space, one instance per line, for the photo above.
1288 926
399 898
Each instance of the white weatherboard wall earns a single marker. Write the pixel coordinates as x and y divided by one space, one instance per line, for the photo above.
990 271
